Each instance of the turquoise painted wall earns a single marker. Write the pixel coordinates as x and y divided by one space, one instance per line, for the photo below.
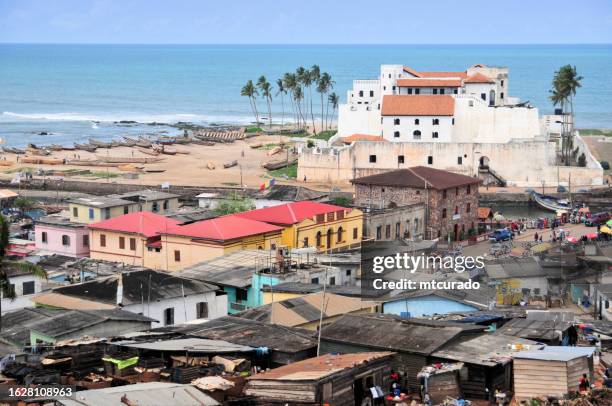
425 306
254 295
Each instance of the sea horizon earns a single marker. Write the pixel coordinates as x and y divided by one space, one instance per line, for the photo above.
76 90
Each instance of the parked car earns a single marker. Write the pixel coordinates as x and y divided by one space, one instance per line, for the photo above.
597 219
501 235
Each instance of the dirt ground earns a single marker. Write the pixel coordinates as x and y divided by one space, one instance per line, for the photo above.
179 169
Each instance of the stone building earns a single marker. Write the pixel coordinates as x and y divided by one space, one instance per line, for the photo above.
390 223
451 199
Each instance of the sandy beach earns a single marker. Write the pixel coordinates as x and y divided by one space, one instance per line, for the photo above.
179 169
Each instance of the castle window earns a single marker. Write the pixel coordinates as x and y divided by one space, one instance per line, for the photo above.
409 90
417 91
436 121
435 91
396 121
455 91
400 159
396 134
416 135
441 91
361 93
434 134
443 213
372 159
430 160
371 93
459 160
416 121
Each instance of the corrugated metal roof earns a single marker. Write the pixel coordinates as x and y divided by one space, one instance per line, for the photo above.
145 394
187 344
319 367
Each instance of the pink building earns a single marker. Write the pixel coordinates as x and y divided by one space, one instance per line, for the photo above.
58 235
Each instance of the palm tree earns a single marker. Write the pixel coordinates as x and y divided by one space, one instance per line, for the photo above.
266 93
298 96
334 100
249 90
281 91
325 83
314 74
6 289
290 83
303 81
565 84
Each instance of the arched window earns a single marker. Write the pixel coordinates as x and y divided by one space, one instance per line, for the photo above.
436 121
318 238
396 121
416 121
340 232
416 134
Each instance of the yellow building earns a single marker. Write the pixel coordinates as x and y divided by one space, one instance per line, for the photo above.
92 209
305 311
190 244
132 239
312 224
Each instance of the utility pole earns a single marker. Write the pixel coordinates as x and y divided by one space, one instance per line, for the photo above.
321 314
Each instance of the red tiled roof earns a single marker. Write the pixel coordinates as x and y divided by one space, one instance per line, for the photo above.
361 137
290 213
223 228
478 78
443 74
421 105
429 82
418 177
143 223
408 69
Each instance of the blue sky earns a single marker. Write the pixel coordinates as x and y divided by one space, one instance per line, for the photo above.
306 21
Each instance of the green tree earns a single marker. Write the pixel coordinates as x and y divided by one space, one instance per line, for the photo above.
290 83
266 93
234 204
24 204
249 90
6 266
304 81
323 86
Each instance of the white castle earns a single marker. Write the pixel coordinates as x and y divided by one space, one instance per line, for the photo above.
460 121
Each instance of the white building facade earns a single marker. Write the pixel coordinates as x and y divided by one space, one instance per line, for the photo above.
462 121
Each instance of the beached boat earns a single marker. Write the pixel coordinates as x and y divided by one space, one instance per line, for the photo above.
230 164
117 143
55 147
182 150
168 151
33 150
89 162
85 147
148 151
12 150
6 163
210 165
273 165
155 170
550 203
100 144
165 140
129 142
128 160
42 160
143 142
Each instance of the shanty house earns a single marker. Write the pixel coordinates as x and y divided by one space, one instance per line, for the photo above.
550 332
548 373
33 326
413 340
420 303
487 360
279 345
329 379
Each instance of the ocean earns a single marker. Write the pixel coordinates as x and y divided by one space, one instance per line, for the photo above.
73 92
